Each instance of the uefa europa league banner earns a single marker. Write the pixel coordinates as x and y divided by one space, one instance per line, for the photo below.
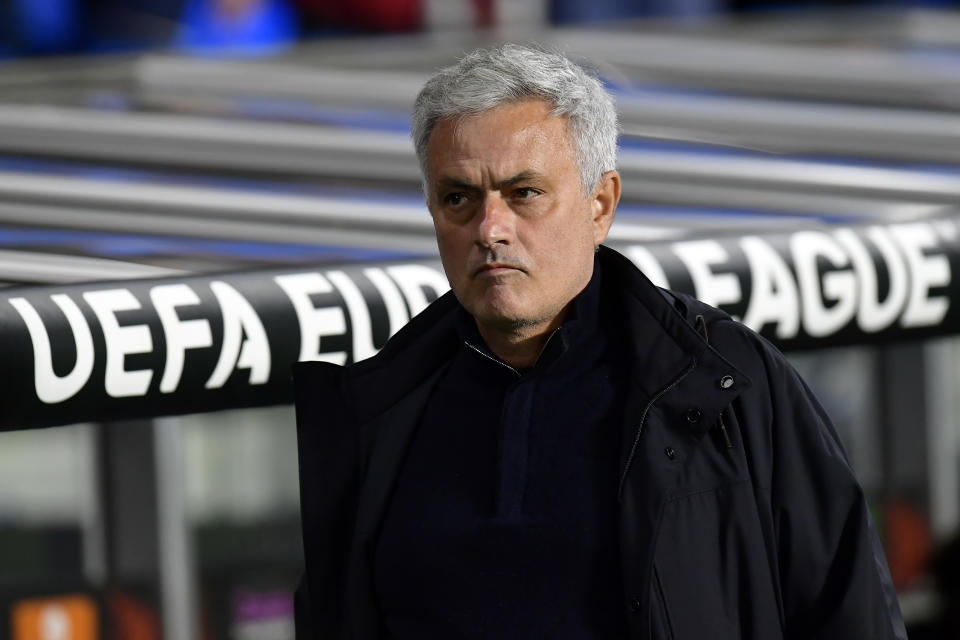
125 349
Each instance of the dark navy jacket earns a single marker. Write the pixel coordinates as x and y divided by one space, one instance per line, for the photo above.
740 517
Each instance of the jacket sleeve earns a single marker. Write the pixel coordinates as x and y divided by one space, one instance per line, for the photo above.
328 457
834 579
301 611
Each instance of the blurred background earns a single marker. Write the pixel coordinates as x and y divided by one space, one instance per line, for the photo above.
166 138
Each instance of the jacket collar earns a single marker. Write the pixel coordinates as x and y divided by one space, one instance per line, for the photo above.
664 344
421 348
663 341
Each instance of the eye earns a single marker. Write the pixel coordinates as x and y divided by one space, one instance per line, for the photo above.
524 193
454 199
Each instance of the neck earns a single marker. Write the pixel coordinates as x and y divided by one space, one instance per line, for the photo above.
519 347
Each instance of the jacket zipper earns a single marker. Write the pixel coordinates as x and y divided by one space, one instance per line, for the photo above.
499 362
504 364
643 419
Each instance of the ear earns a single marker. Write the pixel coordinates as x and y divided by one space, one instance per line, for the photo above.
604 205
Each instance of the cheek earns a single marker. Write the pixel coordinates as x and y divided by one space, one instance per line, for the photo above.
454 254
568 259
565 246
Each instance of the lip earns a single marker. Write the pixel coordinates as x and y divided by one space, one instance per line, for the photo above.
495 268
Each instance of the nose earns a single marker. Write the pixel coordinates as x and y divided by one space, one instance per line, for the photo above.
495 222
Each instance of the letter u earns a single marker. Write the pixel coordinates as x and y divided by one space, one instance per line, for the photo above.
50 387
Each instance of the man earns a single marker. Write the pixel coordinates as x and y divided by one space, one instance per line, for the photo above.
557 448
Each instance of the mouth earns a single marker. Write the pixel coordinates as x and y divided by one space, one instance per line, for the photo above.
495 268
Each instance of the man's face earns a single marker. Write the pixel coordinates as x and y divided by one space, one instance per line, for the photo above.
515 231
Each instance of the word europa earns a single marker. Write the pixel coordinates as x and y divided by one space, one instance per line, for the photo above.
822 303
245 343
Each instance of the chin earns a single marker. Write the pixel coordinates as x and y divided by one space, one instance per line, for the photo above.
497 316
500 316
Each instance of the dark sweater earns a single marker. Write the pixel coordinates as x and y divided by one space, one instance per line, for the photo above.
503 522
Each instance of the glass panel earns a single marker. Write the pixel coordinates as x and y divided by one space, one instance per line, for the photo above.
243 507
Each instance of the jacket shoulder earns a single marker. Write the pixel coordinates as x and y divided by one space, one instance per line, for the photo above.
692 308
724 333
372 385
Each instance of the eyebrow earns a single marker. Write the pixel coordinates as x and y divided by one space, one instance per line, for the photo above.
523 176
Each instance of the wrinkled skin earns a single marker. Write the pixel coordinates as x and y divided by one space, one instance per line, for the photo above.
515 230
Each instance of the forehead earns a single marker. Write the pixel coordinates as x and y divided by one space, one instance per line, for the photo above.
522 132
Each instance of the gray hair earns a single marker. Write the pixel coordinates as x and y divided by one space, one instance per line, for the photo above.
487 78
